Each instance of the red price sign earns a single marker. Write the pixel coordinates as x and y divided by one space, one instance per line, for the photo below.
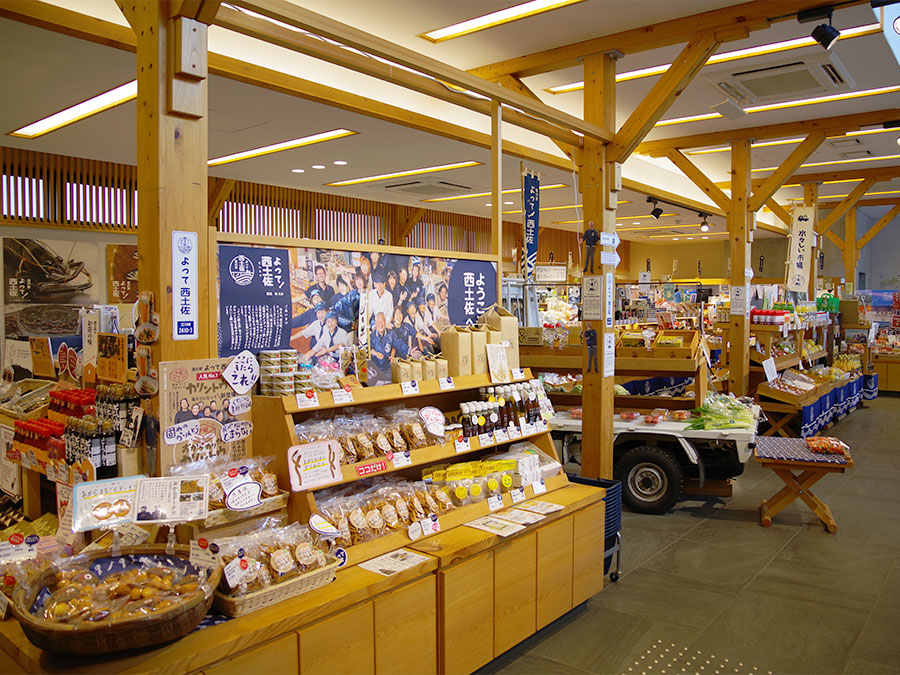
372 467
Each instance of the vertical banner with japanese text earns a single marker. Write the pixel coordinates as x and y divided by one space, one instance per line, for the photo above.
531 204
185 286
800 262
254 299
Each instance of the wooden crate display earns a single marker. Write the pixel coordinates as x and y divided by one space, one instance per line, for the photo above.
764 389
630 351
278 437
690 340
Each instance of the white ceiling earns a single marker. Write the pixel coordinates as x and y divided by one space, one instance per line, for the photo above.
52 71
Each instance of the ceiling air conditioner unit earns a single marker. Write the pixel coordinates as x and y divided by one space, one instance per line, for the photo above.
783 80
427 189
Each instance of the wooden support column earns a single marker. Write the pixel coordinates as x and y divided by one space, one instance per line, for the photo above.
851 253
739 231
497 191
879 226
171 167
811 198
405 219
599 202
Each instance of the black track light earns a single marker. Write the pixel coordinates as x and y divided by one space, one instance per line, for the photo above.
826 34
656 212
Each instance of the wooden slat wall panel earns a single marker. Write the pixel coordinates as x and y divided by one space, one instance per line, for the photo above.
77 193
66 192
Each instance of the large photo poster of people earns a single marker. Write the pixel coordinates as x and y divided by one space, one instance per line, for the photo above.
45 281
355 307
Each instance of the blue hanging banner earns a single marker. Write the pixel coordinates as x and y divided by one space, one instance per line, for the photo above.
254 299
531 204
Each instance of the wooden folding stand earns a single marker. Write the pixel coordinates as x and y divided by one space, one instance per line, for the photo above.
787 455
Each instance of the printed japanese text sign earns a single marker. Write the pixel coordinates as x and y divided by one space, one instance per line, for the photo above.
185 286
531 200
800 262
255 310
314 464
243 372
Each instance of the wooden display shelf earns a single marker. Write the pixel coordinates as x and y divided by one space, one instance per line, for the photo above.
420 457
764 389
393 392
458 516
815 356
774 328
781 362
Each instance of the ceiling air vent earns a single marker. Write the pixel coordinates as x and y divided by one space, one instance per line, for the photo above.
784 80
856 154
428 189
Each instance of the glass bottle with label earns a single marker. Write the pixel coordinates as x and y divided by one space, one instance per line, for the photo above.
109 457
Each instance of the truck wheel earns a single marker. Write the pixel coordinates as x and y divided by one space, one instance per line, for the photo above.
651 478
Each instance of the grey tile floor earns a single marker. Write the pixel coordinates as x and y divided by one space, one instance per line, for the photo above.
706 590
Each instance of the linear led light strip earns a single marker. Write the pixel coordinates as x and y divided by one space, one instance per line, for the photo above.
475 195
497 18
786 104
560 208
868 194
79 111
837 161
762 50
401 174
790 141
572 222
285 145
667 236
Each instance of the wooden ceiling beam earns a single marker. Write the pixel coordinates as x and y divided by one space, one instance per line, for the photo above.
835 239
780 212
670 197
667 88
792 162
879 226
262 29
323 26
888 201
832 126
217 194
847 203
410 219
514 83
700 179
774 227
728 23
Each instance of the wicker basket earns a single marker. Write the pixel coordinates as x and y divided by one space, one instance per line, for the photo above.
24 387
276 592
87 640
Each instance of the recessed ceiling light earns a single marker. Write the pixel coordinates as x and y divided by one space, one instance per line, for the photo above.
339 162
401 174
637 222
318 166
298 170
786 104
488 204
789 141
488 194
688 237
674 238
286 145
497 18
772 48
704 237
509 203
79 111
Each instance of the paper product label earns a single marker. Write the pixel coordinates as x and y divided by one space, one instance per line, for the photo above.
517 494
485 440
462 445
539 487
495 503
342 396
204 553
401 459
409 388
308 399
446 383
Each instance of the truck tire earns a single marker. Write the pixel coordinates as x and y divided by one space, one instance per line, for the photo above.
652 479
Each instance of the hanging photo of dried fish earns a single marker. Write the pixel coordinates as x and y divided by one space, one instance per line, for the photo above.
121 273
41 271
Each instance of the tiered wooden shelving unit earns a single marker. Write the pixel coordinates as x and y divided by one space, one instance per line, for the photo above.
274 429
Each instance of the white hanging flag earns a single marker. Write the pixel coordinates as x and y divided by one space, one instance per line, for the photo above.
800 262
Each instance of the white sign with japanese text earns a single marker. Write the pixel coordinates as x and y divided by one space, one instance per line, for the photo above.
104 503
243 372
800 262
185 288
314 464
591 298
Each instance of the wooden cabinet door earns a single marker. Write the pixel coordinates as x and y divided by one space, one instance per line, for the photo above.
588 549
277 656
343 644
554 571
515 589
406 629
466 624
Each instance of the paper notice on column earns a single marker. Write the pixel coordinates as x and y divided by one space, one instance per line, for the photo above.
739 303
609 354
591 299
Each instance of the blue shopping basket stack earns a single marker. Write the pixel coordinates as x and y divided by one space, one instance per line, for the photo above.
613 534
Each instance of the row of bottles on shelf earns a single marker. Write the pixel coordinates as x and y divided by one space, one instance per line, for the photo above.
91 438
501 407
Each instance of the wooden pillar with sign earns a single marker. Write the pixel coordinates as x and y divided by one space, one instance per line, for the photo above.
739 221
811 198
496 193
600 208
172 173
